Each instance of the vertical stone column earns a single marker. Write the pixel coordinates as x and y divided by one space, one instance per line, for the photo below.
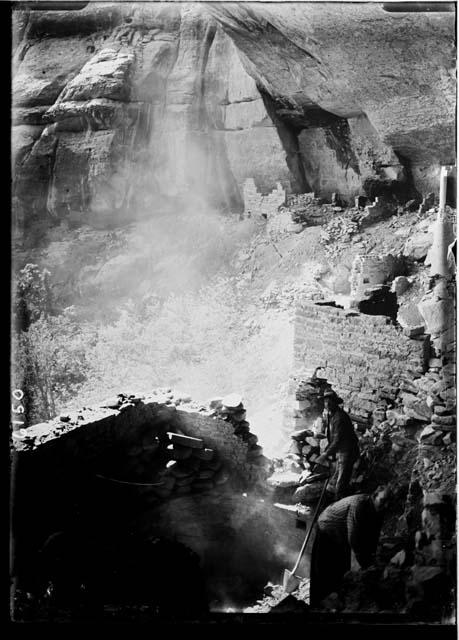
443 234
443 183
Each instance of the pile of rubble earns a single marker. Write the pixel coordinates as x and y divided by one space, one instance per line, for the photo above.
345 224
285 297
423 415
275 599
308 211
380 209
341 228
430 402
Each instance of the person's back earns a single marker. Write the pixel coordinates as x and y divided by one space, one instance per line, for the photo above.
350 524
344 520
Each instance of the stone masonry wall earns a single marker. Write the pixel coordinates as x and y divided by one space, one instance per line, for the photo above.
364 357
218 435
373 269
257 203
235 453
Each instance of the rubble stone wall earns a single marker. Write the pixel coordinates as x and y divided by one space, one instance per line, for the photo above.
364 357
219 435
113 472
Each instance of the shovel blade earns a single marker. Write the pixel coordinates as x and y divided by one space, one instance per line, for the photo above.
291 582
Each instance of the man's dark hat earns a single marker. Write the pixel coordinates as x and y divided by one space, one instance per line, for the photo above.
329 393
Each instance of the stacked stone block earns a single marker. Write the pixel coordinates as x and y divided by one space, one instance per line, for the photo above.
259 204
363 357
373 269
232 411
192 467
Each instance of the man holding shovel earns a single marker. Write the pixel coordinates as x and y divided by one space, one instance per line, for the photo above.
348 527
342 443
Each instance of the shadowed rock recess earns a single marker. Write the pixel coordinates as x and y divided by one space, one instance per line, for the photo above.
287 156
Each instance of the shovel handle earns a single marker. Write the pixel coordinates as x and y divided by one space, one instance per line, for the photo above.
313 521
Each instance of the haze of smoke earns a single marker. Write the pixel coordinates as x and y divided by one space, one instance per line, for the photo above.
161 303
168 309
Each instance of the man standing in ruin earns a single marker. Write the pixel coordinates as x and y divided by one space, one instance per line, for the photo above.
342 443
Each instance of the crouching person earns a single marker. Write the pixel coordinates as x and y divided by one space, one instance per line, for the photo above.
350 525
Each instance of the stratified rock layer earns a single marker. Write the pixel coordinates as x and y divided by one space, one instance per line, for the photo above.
123 109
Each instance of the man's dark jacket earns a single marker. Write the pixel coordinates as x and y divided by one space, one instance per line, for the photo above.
341 435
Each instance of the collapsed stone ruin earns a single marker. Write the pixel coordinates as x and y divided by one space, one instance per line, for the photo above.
101 494
181 488
153 505
162 477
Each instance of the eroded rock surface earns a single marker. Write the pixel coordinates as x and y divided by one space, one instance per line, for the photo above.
345 66
121 109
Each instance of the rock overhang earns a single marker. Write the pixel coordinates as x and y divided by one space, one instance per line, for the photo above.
354 58
338 92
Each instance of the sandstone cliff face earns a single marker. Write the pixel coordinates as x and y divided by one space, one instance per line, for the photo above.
123 109
357 65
